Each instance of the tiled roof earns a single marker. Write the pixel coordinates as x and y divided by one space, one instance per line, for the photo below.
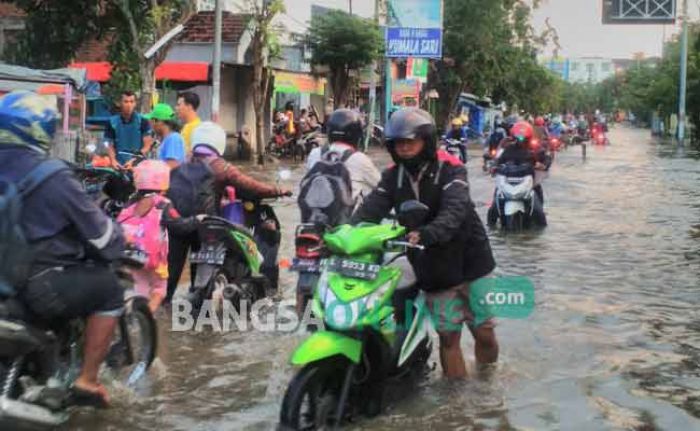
200 28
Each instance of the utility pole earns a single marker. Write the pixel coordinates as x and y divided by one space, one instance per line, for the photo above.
372 87
350 6
216 66
684 74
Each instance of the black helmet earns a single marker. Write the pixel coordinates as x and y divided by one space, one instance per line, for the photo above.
345 125
412 123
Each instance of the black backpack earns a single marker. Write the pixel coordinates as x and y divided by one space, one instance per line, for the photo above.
192 189
15 253
325 193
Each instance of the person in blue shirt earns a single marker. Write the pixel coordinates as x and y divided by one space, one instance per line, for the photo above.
128 132
556 128
172 144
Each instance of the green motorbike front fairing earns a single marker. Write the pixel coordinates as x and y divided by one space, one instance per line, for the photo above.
354 291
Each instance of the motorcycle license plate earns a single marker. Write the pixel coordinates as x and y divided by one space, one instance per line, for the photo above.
353 269
305 265
211 257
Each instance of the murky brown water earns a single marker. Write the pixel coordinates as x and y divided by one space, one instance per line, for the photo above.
614 342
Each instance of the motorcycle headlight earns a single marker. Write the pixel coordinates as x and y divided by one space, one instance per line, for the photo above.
345 315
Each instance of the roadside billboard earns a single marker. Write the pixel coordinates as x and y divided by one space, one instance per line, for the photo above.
414 28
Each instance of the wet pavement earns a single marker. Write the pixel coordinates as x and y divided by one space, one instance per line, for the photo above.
614 342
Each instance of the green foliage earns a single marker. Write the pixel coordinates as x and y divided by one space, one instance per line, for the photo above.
54 31
343 42
490 50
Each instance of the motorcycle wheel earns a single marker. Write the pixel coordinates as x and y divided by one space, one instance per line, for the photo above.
514 223
136 343
312 396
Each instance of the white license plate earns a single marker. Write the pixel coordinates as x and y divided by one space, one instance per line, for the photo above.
306 265
208 256
353 269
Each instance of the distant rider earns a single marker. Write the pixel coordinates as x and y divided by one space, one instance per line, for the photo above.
345 133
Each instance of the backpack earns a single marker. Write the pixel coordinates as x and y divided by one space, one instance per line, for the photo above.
15 252
192 189
325 193
147 234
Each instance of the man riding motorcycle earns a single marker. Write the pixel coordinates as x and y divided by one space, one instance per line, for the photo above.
72 241
522 152
556 128
208 145
458 132
540 130
345 133
457 247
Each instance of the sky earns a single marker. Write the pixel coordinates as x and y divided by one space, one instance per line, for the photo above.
578 23
581 32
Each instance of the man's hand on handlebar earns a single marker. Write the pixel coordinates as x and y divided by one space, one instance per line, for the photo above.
413 237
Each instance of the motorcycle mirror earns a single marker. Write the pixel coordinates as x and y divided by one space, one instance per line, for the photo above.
284 175
412 214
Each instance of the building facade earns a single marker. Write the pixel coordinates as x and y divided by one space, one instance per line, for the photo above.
581 70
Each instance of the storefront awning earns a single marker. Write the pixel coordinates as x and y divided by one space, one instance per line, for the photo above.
171 71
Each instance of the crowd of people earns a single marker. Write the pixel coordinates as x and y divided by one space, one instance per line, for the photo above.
74 242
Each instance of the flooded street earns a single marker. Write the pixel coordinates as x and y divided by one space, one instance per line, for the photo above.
613 343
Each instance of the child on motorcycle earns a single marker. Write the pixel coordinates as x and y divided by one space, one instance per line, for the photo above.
144 223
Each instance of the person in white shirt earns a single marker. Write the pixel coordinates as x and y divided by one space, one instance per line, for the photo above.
345 133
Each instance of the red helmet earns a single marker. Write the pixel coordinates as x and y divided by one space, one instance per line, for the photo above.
539 121
522 131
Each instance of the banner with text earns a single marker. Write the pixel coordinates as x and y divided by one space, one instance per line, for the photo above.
414 28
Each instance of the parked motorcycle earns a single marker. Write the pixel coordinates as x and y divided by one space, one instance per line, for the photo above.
516 204
39 360
110 188
307 142
345 368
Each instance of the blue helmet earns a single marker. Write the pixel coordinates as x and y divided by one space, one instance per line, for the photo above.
27 119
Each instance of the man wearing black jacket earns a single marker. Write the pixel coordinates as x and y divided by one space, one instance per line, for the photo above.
457 247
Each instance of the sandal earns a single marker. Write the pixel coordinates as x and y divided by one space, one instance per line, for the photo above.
85 397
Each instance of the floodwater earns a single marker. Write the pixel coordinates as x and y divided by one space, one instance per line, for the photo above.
614 341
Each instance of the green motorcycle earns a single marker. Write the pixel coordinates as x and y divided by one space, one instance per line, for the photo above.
373 333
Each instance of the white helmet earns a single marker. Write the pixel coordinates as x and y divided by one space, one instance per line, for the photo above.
210 134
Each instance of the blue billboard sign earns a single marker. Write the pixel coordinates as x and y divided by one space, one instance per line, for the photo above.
414 28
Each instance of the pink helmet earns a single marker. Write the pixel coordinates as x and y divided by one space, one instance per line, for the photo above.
152 175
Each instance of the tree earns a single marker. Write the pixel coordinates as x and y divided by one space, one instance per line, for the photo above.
489 49
143 23
343 43
54 31
264 45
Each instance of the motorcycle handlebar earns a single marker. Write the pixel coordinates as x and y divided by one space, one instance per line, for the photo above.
405 244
